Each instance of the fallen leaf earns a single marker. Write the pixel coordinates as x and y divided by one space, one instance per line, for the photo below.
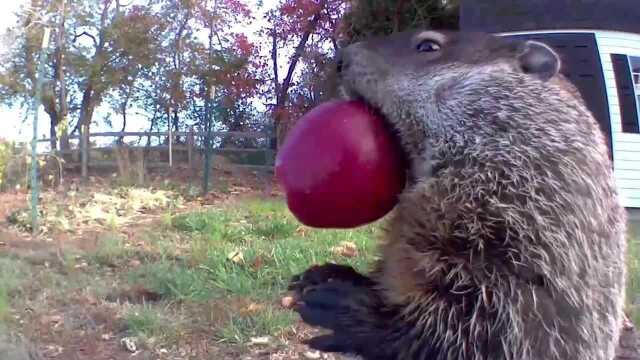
257 263
288 302
53 351
51 319
252 309
346 249
302 231
134 263
236 256
86 299
129 344
312 355
262 340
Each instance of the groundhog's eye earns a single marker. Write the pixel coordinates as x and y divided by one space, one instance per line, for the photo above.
428 46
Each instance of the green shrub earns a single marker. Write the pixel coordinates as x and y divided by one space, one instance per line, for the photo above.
6 152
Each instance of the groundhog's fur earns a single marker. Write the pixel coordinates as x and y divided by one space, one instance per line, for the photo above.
509 240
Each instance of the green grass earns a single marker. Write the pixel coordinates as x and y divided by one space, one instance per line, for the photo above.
5 306
269 245
144 322
272 250
12 274
270 220
111 249
241 328
147 322
174 281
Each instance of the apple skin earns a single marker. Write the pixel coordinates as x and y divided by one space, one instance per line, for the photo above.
340 166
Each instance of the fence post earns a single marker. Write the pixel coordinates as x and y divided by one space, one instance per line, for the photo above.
209 140
190 144
84 151
140 165
170 142
34 140
270 152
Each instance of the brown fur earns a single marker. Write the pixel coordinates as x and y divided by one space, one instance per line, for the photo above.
509 241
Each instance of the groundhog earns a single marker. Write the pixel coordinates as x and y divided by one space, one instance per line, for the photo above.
508 241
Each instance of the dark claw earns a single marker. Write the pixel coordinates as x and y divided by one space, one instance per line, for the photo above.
324 304
317 316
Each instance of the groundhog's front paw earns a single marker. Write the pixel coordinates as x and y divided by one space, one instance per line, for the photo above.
320 274
324 305
347 309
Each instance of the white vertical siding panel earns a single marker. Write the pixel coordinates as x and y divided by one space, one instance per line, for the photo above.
626 147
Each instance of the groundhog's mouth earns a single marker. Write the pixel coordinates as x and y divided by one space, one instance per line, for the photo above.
347 92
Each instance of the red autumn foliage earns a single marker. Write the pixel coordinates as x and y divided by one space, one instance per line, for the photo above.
299 25
235 67
240 77
291 18
243 45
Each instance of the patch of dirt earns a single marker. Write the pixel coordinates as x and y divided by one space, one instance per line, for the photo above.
11 201
21 245
86 241
136 294
82 329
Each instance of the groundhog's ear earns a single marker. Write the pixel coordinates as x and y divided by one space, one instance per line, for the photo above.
538 59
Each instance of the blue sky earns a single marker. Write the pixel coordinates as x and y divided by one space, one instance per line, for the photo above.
15 127
11 119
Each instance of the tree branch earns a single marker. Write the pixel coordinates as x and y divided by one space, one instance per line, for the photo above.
313 23
84 33
274 58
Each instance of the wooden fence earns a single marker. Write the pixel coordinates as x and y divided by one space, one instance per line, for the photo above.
261 158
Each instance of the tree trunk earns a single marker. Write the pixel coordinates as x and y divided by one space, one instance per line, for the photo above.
90 97
53 136
86 114
124 121
62 122
176 96
49 104
124 105
176 120
273 141
282 96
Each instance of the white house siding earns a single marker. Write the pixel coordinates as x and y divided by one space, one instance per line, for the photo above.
626 146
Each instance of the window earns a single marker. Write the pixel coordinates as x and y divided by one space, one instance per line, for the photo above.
627 71
634 61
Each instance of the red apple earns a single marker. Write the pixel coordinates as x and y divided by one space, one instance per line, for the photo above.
340 167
